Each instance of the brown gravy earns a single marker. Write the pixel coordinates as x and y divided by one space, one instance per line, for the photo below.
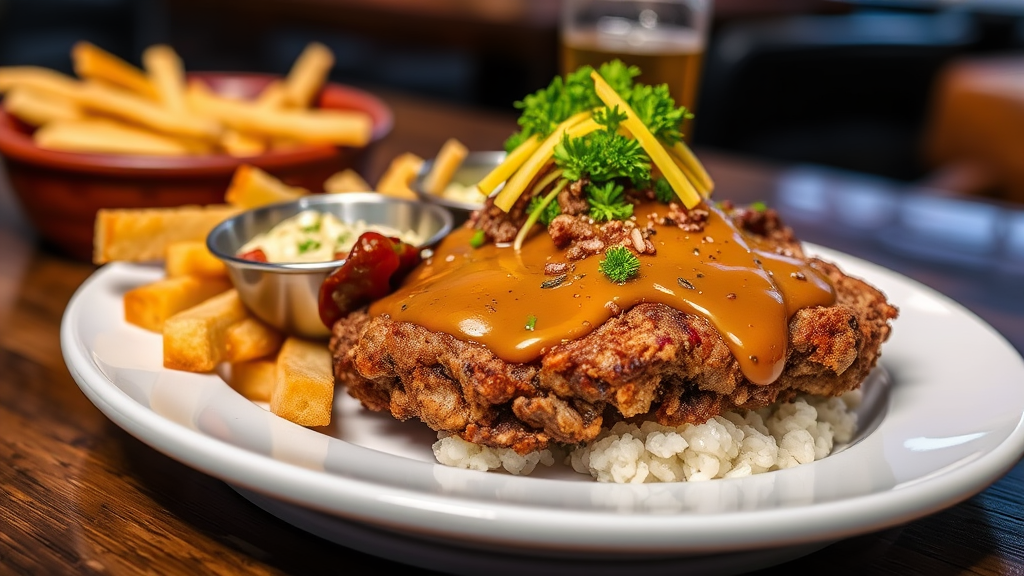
488 295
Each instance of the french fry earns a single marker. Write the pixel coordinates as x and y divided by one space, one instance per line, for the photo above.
127 106
240 144
445 164
338 127
308 74
251 339
195 339
94 63
193 258
102 136
399 176
347 180
254 379
272 96
304 391
251 187
167 75
142 235
39 80
38 108
149 306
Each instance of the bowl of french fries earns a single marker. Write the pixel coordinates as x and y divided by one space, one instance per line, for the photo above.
118 136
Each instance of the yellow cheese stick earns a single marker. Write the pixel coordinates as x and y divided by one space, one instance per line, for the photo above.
661 158
512 162
517 184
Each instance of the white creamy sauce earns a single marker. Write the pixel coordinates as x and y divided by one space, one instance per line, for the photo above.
312 236
462 193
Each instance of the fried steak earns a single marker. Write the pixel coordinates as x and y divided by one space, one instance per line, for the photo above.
648 362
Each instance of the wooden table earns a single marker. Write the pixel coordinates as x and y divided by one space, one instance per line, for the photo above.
79 495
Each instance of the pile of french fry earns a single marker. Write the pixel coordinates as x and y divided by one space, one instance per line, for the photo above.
113 107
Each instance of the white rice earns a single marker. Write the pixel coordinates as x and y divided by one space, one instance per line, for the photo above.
732 445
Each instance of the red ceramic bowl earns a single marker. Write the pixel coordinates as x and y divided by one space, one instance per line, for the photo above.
61 191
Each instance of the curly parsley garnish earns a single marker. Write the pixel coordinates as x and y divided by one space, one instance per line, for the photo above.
607 202
619 264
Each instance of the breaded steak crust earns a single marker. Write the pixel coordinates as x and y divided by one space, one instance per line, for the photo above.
649 362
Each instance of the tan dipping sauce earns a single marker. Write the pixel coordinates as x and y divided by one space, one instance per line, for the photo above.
488 295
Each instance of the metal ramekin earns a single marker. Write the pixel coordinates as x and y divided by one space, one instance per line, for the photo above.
285 295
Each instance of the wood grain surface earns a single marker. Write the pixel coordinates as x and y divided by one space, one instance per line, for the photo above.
80 496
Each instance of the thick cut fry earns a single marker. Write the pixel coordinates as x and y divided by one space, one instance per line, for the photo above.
142 235
239 144
446 163
251 187
37 108
304 391
338 127
659 156
308 74
39 80
399 176
347 180
102 136
254 379
94 63
193 258
132 108
150 305
250 339
509 165
272 96
167 75
195 339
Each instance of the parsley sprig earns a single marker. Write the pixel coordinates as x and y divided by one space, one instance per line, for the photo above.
619 264
548 107
607 202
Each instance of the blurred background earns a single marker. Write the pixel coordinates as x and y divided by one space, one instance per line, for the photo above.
922 91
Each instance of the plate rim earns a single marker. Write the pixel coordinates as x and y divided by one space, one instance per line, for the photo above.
507 524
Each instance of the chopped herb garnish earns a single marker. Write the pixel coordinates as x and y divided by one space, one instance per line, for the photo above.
312 228
531 322
478 239
657 110
563 97
607 202
759 206
547 212
601 156
343 237
663 191
619 264
307 245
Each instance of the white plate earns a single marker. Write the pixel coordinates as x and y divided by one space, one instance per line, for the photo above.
948 425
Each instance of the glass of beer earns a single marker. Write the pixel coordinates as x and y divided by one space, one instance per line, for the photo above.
664 38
